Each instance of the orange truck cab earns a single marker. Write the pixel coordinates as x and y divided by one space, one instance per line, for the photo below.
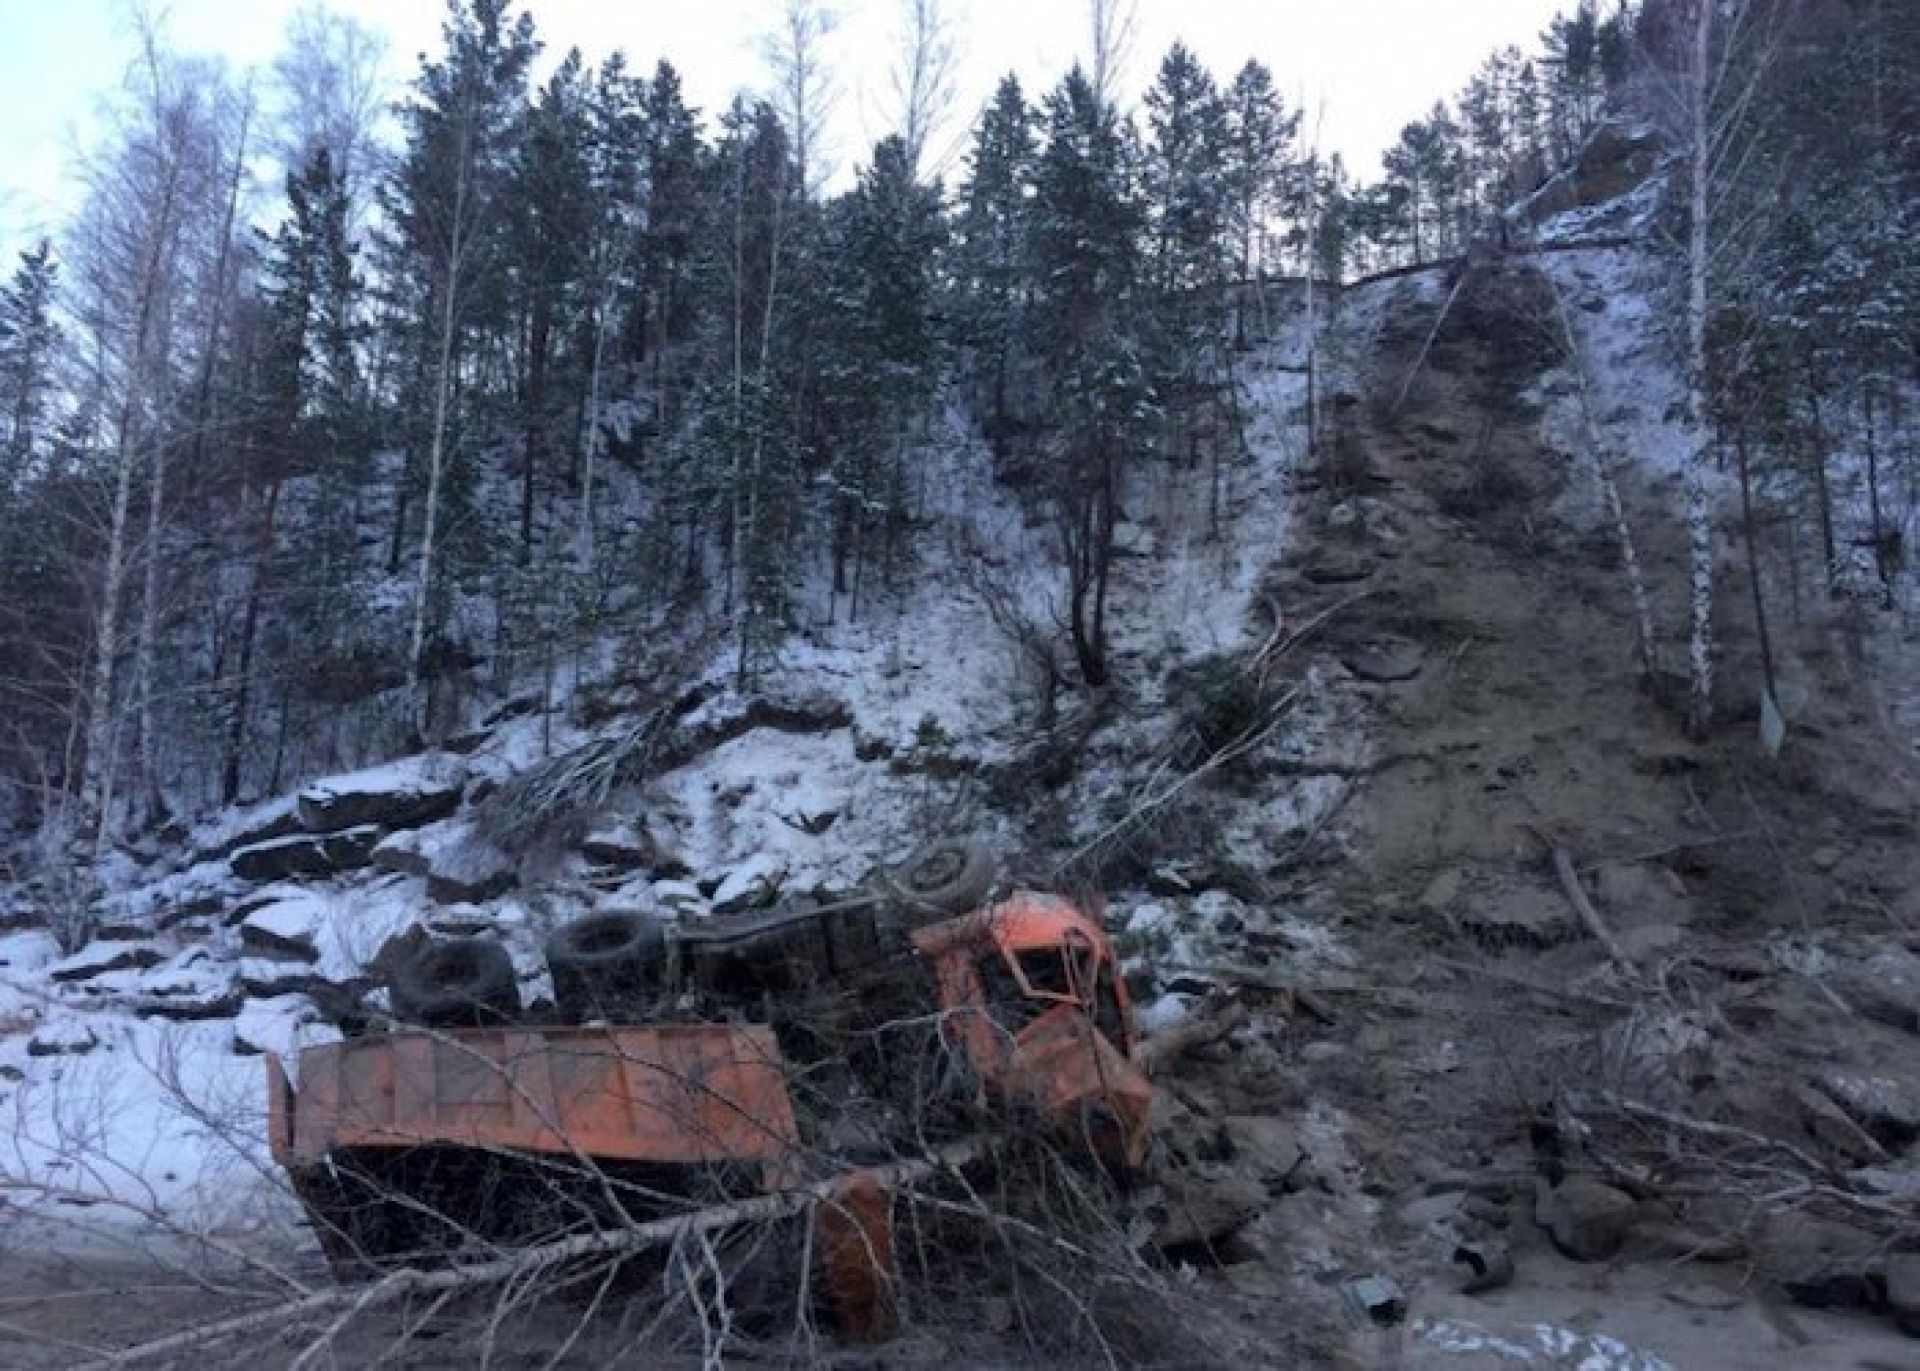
422 1141
1034 999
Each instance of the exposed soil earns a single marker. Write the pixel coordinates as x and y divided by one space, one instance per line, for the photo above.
1480 1044
1486 1046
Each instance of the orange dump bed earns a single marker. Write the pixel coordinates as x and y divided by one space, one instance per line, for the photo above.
672 1093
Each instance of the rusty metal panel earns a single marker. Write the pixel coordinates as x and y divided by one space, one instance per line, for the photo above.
671 1093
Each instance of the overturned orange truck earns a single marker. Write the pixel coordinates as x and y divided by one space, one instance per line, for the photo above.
687 1067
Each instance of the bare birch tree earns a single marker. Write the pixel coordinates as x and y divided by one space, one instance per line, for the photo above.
1709 98
1112 26
804 91
449 216
128 248
333 93
924 77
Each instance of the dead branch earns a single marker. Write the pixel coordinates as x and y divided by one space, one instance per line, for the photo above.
1577 897
1569 877
343 1304
1420 358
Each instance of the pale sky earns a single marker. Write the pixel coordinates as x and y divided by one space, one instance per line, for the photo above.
1367 66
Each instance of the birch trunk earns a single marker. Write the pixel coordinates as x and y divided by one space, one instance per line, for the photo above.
102 748
437 444
1699 459
757 469
1607 469
590 440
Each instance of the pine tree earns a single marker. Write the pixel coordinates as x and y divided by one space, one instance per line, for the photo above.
306 418
1261 176
29 339
616 161
882 354
674 198
445 204
1087 223
549 243
990 258
1185 185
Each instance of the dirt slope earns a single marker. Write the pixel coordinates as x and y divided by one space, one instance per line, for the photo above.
1485 1046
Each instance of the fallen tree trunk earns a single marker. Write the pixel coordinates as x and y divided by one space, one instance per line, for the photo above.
1577 897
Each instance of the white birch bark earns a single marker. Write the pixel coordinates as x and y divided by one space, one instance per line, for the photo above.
437 444
1699 513
102 750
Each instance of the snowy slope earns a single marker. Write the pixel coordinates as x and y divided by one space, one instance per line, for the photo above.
112 1094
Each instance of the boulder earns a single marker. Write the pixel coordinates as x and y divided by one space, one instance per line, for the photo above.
1205 1202
1903 1291
272 1025
625 845
681 897
1888 1107
308 855
1520 916
200 905
1428 1211
1588 1220
1385 660
400 947
262 824
188 1008
470 872
1338 567
754 884
287 930
1442 892
263 978
192 985
398 795
61 1038
1885 988
1615 159
1267 1149
1821 1263
101 958
402 853
1378 1299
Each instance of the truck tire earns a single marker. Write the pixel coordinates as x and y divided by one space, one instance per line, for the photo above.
456 983
945 878
606 965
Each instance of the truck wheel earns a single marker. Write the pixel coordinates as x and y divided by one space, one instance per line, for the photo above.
606 964
456 983
946 878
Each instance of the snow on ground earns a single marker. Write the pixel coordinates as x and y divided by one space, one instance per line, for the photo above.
1543 1344
345 928
155 1121
169 1117
1624 331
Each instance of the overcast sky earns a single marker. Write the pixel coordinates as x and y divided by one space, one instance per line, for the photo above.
1368 66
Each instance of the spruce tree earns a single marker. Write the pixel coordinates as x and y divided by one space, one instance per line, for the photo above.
446 206
990 259
28 339
1087 223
